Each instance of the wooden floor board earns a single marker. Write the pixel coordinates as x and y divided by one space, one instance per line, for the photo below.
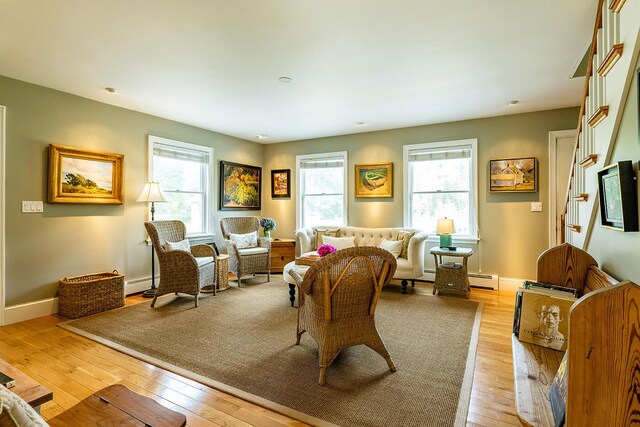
74 367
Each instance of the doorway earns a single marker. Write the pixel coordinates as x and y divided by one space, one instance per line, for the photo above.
561 149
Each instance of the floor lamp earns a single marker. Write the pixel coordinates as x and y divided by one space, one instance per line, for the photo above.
151 193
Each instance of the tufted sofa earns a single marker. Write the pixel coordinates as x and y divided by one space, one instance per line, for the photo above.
409 268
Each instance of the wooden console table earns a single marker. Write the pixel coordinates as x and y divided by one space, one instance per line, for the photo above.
28 389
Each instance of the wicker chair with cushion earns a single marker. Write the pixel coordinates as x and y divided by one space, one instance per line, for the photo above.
181 271
338 299
243 261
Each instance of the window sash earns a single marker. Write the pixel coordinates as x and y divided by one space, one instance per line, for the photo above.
443 151
200 155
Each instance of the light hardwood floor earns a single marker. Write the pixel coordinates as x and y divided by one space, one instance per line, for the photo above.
74 367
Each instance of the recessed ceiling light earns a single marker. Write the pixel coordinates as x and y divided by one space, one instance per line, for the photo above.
361 123
513 102
111 89
285 79
262 136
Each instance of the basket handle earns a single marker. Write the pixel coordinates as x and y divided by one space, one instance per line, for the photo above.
116 271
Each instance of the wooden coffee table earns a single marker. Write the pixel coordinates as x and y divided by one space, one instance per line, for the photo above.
116 405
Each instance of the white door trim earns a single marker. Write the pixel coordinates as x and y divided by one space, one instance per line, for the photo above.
553 140
3 192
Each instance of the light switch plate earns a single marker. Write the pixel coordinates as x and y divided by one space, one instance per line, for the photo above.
536 206
32 206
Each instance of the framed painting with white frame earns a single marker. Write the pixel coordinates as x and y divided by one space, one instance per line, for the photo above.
77 175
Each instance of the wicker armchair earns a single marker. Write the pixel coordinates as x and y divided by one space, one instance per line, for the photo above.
180 271
246 261
338 298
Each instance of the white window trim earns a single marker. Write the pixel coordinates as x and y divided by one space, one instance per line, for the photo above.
302 157
210 196
473 236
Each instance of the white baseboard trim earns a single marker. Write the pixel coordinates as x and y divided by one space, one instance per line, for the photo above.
511 284
30 310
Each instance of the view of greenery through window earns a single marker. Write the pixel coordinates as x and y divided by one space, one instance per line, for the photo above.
440 188
323 196
182 183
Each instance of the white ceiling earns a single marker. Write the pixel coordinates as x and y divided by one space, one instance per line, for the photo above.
215 63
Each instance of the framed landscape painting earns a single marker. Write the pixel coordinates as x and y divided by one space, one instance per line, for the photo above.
516 175
240 186
280 183
374 180
77 175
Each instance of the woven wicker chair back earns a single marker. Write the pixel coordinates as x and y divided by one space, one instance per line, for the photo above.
347 284
238 225
161 232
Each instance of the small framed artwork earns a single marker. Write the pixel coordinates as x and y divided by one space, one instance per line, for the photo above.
240 186
514 175
83 176
618 197
280 183
374 180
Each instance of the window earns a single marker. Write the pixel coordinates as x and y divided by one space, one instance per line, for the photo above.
322 189
440 181
184 172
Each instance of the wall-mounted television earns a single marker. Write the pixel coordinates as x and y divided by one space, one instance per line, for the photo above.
618 196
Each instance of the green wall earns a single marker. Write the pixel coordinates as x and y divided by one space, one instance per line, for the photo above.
615 251
511 235
68 240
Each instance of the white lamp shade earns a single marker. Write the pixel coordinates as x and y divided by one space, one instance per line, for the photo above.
151 193
445 226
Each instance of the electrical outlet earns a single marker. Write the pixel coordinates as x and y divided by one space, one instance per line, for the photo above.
536 206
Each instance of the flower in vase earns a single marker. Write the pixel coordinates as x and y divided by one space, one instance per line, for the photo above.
324 250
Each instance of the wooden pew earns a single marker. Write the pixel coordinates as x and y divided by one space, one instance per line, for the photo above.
599 329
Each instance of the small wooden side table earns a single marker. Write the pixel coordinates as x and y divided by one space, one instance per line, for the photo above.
450 275
222 272
283 251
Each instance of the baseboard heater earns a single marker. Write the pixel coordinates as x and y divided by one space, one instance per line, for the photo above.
487 281
134 286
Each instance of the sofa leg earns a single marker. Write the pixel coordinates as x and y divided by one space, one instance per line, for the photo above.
404 286
413 283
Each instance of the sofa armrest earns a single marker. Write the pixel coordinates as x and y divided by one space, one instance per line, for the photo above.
415 251
304 241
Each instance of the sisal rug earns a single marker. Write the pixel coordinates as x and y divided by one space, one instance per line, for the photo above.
242 342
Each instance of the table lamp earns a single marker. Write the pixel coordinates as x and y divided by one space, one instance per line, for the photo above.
445 229
151 193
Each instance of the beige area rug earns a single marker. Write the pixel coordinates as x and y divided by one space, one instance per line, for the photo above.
242 342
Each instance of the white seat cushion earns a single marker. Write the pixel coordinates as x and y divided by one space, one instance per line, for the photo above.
203 260
253 251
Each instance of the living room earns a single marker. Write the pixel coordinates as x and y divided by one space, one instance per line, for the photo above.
54 93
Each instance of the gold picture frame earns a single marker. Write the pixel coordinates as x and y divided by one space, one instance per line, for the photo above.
83 176
374 180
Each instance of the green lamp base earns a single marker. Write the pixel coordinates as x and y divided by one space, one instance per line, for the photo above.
445 240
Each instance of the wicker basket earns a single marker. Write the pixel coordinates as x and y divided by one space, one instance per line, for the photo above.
89 294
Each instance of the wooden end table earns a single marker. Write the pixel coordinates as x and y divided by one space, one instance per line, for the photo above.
283 251
450 275
222 272
28 389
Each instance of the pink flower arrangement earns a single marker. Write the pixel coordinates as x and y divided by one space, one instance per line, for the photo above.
324 250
